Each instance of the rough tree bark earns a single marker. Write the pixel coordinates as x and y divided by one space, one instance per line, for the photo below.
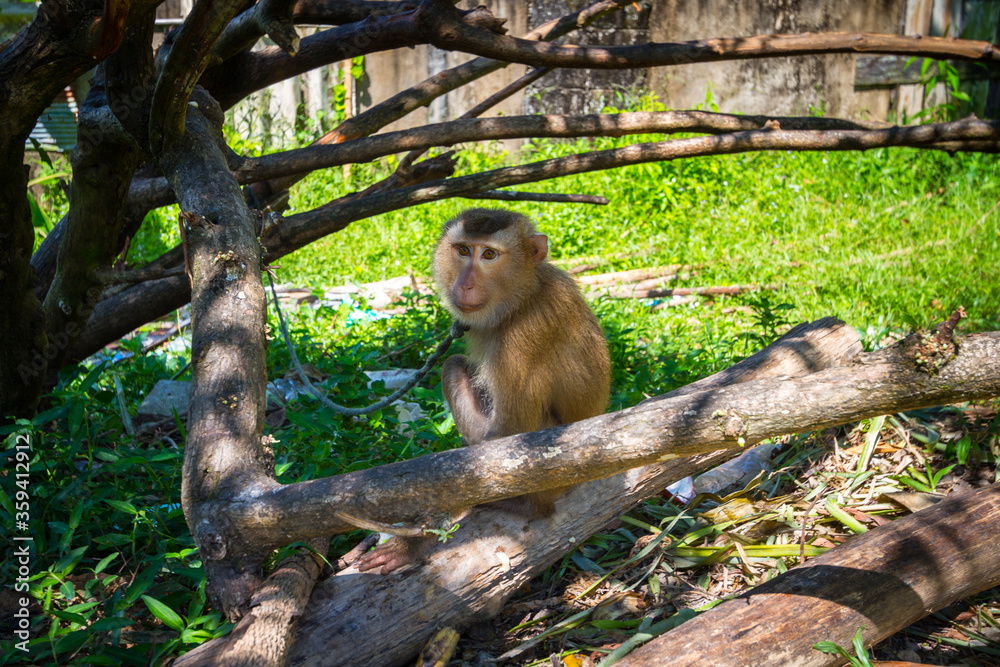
226 457
33 69
494 554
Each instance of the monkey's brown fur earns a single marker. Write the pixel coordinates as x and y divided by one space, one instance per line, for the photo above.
537 356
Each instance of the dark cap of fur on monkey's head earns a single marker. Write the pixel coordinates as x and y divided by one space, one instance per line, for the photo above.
489 221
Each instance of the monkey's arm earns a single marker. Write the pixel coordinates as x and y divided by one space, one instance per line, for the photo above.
469 405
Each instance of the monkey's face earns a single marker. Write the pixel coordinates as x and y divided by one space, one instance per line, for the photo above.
482 278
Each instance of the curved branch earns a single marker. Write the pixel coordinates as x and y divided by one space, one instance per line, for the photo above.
248 71
448 32
513 195
288 167
422 94
187 58
659 430
274 18
311 158
341 12
303 228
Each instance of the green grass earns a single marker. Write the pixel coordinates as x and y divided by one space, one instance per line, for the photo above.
882 238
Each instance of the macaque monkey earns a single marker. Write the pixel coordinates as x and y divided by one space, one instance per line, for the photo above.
537 356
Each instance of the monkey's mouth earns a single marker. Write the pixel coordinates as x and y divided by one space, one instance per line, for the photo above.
469 307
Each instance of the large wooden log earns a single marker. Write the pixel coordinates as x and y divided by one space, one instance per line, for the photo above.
366 619
881 581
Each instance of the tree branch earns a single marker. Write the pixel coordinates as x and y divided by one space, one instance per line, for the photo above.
879 582
104 161
495 553
340 12
407 101
311 158
188 56
250 71
225 456
513 195
303 228
448 32
663 429
424 93
274 18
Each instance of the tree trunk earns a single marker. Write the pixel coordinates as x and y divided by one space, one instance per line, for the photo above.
226 457
881 581
366 619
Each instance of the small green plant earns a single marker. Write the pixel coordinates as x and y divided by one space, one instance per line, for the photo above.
924 481
933 72
860 657
443 534
767 316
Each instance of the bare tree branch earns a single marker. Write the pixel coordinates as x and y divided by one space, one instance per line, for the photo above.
450 33
273 18
424 93
120 314
304 228
407 101
187 58
662 429
484 106
247 71
294 164
311 158
104 161
225 455
340 12
513 195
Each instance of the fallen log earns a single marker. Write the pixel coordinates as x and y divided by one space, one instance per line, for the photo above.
630 276
729 290
364 619
881 581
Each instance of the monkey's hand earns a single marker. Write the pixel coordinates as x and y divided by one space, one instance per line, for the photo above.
393 555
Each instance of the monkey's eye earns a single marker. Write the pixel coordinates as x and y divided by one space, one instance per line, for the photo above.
489 253
464 250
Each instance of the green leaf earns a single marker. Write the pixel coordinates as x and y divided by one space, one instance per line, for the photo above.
169 617
143 581
66 564
39 219
104 563
92 376
962 450
67 616
42 153
122 506
614 625
111 623
6 502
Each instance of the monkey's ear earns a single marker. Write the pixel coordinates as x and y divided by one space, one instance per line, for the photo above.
539 247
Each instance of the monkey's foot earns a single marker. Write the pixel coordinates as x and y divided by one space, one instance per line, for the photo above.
393 555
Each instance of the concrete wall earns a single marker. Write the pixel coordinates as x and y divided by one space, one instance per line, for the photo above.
774 85
779 86
392 71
